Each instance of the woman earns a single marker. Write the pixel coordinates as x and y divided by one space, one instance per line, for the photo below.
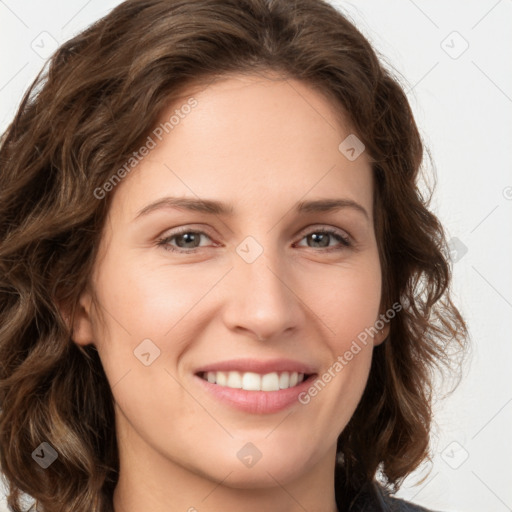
221 287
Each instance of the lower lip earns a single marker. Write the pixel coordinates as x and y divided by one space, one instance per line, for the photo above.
257 402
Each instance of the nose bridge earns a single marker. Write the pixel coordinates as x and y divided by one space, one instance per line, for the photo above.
262 300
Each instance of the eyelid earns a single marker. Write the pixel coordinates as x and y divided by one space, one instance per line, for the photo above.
170 234
179 230
325 227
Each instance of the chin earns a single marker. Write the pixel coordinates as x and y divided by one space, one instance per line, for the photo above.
262 475
280 465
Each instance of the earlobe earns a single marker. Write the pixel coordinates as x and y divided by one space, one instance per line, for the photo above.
381 335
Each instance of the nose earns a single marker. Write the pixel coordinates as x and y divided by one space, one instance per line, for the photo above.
262 301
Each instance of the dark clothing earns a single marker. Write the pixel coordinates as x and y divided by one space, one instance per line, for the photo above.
372 497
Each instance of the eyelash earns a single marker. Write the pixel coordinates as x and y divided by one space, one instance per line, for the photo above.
343 239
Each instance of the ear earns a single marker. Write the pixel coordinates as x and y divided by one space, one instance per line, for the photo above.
381 335
81 328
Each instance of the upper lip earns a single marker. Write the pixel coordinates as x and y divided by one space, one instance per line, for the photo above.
258 366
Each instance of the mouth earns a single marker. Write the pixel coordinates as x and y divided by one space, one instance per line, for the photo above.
256 386
251 381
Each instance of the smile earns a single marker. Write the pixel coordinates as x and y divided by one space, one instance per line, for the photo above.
251 381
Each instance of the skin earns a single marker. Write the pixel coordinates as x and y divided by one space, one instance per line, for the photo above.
260 145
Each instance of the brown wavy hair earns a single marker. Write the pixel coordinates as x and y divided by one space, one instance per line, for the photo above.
85 113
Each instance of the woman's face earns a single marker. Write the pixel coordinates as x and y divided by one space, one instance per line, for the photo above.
255 295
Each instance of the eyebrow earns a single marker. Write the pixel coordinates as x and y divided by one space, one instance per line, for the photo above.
212 207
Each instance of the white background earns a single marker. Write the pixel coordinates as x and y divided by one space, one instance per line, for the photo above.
463 107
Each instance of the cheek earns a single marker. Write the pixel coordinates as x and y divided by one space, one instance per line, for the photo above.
147 309
354 309
348 304
347 298
149 300
144 316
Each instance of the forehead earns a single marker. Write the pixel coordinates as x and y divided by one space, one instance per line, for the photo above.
278 139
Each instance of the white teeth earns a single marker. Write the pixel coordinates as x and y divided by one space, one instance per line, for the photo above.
270 382
284 380
234 380
221 379
251 381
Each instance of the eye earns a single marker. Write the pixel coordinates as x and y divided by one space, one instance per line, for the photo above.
187 241
321 238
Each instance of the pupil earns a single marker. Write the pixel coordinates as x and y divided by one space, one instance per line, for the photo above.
188 237
324 239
